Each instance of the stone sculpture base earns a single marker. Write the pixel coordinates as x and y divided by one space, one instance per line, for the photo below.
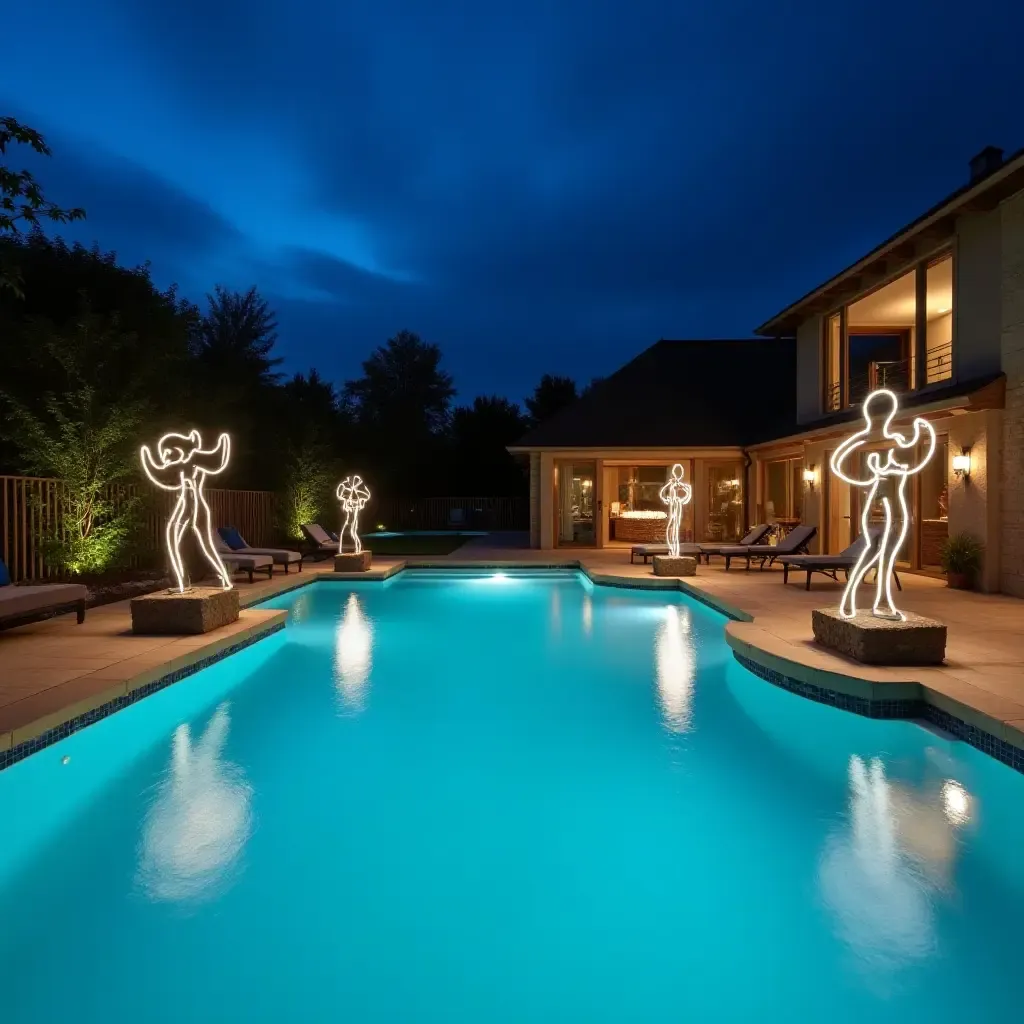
169 613
351 562
874 641
666 565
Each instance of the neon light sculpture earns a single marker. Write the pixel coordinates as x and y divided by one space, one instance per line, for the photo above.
675 494
884 465
353 494
182 465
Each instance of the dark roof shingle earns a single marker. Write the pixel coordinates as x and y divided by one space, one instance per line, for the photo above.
685 394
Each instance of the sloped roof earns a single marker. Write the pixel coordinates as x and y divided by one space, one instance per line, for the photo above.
686 394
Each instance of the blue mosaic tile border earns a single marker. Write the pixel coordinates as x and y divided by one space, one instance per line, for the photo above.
22 750
981 740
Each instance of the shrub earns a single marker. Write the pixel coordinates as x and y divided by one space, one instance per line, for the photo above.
962 555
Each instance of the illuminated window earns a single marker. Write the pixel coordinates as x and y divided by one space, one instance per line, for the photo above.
833 354
938 361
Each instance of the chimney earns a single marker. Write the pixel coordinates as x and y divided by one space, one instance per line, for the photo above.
990 159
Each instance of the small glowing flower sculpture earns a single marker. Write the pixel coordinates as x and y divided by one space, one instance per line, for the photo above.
353 494
889 464
182 464
675 494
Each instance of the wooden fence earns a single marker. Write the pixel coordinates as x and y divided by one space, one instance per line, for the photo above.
30 510
452 513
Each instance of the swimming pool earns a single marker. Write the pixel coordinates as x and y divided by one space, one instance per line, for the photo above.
504 797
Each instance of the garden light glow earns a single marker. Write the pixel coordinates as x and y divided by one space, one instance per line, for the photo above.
353 494
182 464
882 465
675 494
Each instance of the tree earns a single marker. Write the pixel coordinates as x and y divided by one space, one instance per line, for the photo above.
551 395
403 386
89 444
481 434
237 334
401 408
22 202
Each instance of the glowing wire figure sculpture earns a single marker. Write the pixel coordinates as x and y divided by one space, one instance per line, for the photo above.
881 466
182 464
353 494
675 494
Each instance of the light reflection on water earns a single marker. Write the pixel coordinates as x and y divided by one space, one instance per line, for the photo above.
200 819
883 872
676 661
353 656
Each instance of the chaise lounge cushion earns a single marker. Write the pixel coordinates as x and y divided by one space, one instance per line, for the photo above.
319 536
231 537
16 601
755 536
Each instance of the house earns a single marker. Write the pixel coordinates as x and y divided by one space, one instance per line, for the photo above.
936 313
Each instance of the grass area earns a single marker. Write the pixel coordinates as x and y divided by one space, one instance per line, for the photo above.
400 546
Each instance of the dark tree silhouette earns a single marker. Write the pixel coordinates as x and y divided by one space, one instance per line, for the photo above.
550 396
237 334
22 203
481 433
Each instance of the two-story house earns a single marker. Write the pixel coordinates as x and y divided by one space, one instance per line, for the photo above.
936 313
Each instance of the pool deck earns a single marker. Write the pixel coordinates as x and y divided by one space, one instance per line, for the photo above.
54 672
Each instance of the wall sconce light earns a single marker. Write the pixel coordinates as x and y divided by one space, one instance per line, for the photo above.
962 464
810 477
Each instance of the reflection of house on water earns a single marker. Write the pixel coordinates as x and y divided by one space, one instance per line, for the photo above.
675 660
200 820
353 656
882 875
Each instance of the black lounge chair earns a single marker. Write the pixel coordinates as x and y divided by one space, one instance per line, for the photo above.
321 542
650 550
794 543
756 536
831 565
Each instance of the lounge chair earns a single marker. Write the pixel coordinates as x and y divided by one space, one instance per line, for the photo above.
22 604
794 543
756 536
650 550
236 561
321 541
236 542
831 565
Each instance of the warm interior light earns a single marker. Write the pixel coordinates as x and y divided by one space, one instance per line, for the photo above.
182 465
644 514
881 466
676 493
353 494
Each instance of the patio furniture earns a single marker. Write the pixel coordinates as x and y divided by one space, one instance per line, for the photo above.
650 550
794 543
236 561
321 542
236 542
831 565
22 604
756 536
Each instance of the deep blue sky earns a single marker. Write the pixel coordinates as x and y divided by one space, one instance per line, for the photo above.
535 186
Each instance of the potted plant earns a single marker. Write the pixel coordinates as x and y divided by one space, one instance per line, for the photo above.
961 560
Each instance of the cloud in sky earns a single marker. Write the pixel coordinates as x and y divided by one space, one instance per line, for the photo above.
535 187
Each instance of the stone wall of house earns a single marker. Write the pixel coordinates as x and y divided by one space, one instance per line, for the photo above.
534 499
1012 347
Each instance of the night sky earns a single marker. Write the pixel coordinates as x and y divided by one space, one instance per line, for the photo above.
534 186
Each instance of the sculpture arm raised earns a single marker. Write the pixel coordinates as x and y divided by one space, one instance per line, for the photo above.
920 426
158 473
213 460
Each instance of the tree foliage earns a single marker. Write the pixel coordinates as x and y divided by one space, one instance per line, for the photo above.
551 395
22 203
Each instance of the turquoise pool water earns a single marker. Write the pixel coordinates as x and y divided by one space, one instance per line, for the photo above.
496 799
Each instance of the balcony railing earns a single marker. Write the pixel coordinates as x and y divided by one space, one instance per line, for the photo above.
895 374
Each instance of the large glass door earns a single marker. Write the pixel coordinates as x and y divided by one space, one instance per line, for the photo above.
576 523
837 512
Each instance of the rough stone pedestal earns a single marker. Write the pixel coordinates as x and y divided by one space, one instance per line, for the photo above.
352 562
666 565
874 641
169 613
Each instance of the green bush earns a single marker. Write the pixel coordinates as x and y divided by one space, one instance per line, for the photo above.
962 554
